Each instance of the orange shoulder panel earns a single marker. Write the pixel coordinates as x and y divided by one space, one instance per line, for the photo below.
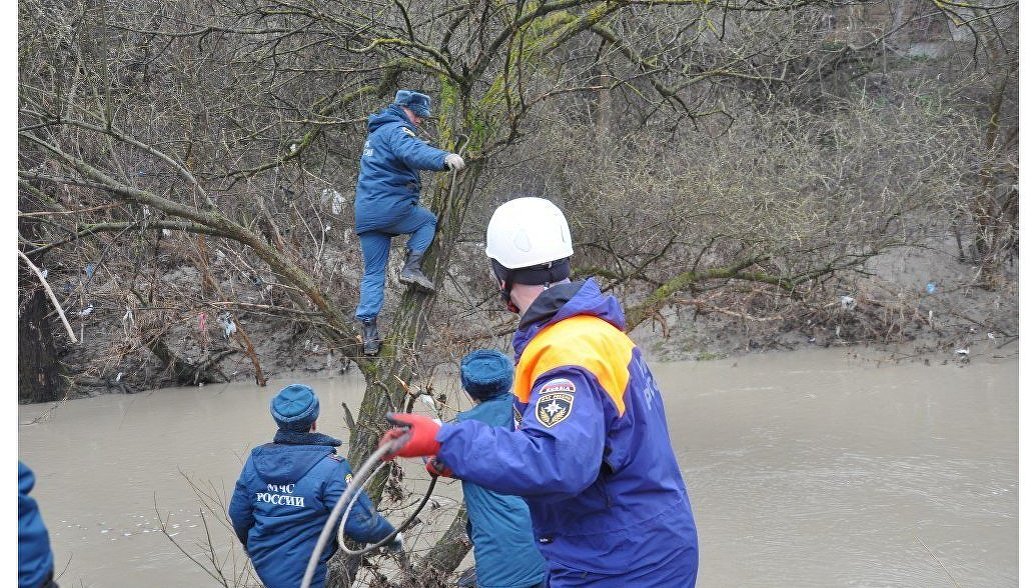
584 341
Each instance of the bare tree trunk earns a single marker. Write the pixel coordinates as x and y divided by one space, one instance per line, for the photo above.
400 362
39 371
447 554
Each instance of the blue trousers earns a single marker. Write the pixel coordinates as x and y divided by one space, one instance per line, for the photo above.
419 223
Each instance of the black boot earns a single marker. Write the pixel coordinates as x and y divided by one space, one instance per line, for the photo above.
411 273
371 339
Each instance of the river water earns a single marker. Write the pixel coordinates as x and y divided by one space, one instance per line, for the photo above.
809 468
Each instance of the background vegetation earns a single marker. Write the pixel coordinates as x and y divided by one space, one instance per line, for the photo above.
186 171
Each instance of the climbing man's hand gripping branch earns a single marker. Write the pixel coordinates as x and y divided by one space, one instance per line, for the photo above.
454 162
412 435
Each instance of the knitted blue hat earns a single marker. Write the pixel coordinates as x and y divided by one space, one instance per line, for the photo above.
420 103
485 373
295 407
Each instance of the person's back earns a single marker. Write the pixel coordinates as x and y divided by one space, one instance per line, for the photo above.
637 510
506 555
389 182
591 452
35 559
287 490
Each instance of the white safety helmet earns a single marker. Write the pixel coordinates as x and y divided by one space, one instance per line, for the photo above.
528 231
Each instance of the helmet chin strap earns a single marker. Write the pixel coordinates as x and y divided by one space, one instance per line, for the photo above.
505 293
505 276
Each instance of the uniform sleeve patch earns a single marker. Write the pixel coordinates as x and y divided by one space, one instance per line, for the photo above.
407 131
555 402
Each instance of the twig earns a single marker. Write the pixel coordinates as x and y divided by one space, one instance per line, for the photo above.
53 299
937 560
165 531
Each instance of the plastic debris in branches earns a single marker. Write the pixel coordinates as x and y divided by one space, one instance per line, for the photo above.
225 321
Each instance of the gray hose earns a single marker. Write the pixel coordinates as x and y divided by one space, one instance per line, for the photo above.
348 510
352 489
390 537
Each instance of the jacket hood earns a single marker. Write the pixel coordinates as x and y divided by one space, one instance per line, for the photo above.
564 301
393 113
283 464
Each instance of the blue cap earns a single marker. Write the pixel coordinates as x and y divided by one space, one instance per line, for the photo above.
486 373
420 103
295 407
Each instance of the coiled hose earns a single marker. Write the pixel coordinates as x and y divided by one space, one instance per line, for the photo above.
352 493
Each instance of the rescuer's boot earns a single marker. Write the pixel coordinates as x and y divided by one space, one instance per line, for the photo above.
411 273
371 339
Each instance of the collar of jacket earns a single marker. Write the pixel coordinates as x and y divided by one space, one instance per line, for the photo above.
562 301
487 406
390 114
286 437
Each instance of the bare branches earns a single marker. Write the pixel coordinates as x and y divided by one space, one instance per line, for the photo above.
743 158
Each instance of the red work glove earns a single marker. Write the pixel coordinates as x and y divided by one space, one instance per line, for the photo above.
412 436
435 467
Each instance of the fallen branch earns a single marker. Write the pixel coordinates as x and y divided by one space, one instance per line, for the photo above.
50 293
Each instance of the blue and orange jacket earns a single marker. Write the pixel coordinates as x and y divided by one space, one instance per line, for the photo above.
389 184
35 559
591 454
284 496
498 525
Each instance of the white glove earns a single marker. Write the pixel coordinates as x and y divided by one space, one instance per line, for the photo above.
454 162
397 543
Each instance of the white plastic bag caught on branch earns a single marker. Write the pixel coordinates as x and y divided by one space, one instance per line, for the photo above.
337 200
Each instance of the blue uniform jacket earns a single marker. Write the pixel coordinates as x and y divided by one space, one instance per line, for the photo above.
505 550
591 454
282 500
35 560
389 183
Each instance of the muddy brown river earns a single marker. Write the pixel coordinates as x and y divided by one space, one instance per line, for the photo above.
808 468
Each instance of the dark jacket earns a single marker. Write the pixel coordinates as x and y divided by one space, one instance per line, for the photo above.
506 555
389 183
591 455
284 496
35 560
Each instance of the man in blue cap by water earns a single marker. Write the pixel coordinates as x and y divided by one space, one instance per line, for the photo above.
506 555
287 490
388 193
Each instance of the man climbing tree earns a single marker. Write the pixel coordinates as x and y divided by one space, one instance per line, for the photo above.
388 192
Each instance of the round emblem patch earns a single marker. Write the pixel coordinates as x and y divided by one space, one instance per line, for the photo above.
555 402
